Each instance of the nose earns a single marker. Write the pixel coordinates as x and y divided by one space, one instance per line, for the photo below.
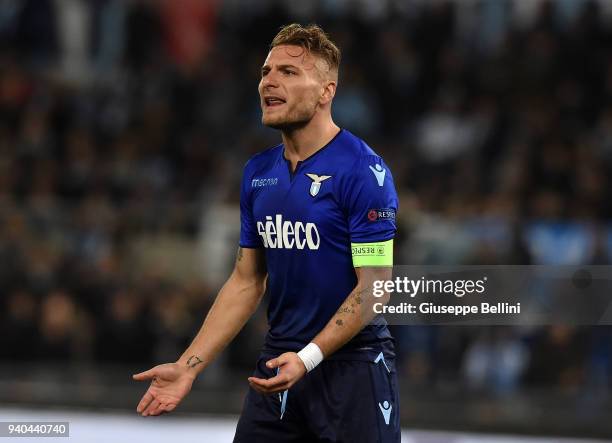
270 80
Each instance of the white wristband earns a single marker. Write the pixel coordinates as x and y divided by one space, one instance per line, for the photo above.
311 355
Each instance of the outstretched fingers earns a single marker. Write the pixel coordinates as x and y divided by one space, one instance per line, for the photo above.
145 401
160 409
163 408
151 408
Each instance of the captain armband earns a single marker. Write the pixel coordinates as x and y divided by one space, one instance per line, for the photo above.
372 254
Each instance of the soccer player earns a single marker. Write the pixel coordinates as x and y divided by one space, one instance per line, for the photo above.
317 227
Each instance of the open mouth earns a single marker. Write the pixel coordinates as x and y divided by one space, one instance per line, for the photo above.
273 101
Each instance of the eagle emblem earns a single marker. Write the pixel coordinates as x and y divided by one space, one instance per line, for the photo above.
315 186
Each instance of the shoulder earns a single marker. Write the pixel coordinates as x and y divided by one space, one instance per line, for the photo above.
263 160
355 148
355 157
355 152
362 172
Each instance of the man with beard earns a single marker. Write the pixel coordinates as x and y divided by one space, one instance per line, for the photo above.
317 228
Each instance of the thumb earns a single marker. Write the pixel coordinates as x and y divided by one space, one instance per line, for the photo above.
146 375
276 362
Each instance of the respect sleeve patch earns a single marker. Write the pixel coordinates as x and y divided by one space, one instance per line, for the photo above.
372 254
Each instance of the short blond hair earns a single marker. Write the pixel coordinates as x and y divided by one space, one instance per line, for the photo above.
313 39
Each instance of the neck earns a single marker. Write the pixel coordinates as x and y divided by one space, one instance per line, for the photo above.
301 143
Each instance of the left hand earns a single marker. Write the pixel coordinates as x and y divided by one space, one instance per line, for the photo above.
291 369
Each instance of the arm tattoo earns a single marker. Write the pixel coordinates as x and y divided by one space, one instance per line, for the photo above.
193 361
354 299
346 310
239 255
351 303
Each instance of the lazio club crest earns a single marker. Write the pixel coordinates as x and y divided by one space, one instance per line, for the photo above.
315 186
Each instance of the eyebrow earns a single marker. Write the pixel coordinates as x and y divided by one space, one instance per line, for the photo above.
285 66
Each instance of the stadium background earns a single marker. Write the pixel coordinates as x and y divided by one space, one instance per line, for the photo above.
124 126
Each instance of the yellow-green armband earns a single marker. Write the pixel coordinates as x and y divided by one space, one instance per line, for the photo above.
372 254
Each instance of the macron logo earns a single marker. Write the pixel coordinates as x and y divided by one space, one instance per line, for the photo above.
385 409
379 172
260 182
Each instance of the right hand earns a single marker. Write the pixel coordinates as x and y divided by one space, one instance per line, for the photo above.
170 383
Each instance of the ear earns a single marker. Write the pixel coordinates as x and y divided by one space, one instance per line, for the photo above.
329 90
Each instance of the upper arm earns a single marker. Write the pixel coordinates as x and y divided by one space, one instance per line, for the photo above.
249 237
370 202
367 274
250 265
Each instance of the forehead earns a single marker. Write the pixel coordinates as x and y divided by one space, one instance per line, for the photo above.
291 55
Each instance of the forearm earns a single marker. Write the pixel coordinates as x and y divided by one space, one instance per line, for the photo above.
236 302
353 315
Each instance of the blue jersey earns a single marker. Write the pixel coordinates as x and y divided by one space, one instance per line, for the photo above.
307 220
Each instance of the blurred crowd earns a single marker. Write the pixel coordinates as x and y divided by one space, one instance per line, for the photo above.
124 126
